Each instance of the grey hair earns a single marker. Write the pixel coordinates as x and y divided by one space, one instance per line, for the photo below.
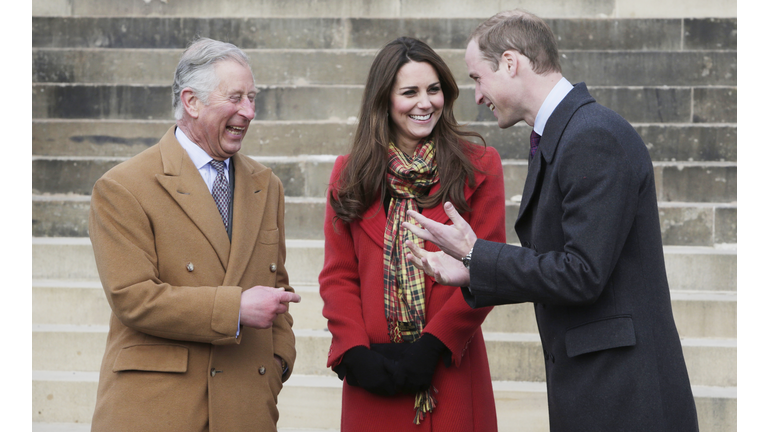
196 69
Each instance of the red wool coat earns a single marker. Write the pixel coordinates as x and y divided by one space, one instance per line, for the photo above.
351 285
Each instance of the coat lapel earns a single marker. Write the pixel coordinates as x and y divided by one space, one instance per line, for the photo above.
250 196
185 185
550 140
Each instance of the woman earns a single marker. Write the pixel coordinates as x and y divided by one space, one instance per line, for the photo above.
412 357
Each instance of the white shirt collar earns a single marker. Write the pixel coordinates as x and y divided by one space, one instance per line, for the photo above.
199 157
555 96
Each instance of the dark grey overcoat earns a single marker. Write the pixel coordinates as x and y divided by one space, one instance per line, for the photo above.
592 263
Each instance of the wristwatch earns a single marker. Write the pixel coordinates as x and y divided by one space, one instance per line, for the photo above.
467 258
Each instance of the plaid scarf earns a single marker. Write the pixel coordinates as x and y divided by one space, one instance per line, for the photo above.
404 286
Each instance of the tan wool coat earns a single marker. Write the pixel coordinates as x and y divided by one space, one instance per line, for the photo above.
173 361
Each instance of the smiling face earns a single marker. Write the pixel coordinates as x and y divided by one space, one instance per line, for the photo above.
494 89
415 104
219 127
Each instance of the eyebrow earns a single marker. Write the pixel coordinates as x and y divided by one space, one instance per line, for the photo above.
415 87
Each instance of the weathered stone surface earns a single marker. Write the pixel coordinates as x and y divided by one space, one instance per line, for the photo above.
725 225
698 183
709 33
165 32
647 105
101 102
642 68
642 105
690 142
681 225
686 225
350 67
67 176
386 8
616 34
680 9
60 218
714 105
364 33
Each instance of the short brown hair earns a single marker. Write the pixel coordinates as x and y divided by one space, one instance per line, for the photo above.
521 31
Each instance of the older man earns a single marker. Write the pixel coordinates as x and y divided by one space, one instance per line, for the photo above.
190 247
591 258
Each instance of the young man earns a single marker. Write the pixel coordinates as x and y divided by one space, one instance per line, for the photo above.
591 258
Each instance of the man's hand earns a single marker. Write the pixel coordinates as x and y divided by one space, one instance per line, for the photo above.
445 269
456 240
260 305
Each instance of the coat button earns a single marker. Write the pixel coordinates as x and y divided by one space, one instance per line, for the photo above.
190 267
526 244
262 370
214 372
273 267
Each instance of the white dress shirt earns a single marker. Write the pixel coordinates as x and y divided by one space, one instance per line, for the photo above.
201 159
555 96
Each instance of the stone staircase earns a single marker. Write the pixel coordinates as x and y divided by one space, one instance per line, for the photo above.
101 94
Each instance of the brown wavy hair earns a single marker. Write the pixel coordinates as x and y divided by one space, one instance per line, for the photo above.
363 178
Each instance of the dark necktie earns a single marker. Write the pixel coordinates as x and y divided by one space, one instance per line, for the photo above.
220 191
534 142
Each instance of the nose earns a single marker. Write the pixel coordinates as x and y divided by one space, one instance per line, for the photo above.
247 108
478 96
425 101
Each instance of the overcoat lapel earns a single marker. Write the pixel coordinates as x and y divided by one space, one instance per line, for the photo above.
250 196
550 140
185 185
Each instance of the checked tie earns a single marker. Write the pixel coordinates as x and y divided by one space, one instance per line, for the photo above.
220 191
534 142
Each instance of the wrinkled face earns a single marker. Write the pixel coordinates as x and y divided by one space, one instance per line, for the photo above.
493 89
221 125
415 104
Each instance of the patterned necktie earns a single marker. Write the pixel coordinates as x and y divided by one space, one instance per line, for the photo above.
220 191
534 142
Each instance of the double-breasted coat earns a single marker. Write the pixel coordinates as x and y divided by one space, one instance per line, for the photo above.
173 279
352 288
592 263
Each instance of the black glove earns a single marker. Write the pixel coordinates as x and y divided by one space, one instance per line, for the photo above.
392 351
418 364
369 370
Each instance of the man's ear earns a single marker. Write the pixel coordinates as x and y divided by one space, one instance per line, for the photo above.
190 101
509 62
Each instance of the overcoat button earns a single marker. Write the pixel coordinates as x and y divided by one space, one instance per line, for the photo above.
190 267
214 372
273 267
262 370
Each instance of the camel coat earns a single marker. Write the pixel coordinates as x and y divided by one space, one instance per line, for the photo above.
173 361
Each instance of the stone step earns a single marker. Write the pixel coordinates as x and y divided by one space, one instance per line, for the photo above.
698 314
315 402
691 142
336 32
512 356
688 268
308 176
278 67
682 224
661 104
